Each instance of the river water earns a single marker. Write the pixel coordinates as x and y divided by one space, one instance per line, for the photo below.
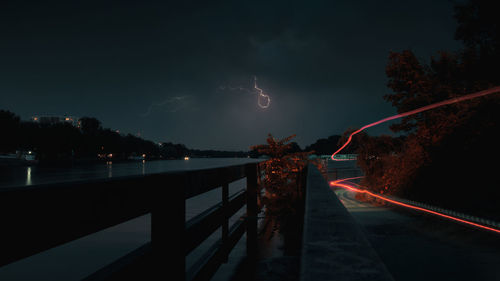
30 175
77 259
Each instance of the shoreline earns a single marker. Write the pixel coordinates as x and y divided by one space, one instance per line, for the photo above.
15 162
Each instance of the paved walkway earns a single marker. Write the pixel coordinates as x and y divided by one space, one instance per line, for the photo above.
421 247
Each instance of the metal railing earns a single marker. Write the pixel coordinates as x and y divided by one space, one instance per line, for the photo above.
40 217
339 173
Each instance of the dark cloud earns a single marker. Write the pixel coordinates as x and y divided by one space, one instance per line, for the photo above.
321 62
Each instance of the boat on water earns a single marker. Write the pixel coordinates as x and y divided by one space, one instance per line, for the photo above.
19 158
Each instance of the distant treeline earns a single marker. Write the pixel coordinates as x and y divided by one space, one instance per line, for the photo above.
325 146
88 142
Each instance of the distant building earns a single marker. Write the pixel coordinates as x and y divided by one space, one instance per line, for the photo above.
54 119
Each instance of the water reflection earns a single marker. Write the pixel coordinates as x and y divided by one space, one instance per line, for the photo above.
28 176
109 165
24 175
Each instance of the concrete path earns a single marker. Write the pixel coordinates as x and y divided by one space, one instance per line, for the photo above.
421 247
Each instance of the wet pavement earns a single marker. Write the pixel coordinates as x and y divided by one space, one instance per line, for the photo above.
415 246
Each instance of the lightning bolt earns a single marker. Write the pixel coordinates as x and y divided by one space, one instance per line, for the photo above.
261 95
239 88
263 100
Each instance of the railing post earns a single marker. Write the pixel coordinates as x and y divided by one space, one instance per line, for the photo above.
225 223
167 229
251 223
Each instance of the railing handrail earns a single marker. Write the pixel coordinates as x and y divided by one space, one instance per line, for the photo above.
39 217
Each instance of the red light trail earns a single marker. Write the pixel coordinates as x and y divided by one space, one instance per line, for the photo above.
344 183
415 111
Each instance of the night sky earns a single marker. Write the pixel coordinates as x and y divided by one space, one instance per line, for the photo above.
183 72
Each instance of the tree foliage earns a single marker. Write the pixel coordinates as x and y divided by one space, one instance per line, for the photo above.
281 178
10 125
437 143
63 141
324 146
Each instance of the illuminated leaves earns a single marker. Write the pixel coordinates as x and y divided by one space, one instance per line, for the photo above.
280 177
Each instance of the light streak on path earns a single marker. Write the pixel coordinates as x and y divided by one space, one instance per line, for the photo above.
415 111
346 184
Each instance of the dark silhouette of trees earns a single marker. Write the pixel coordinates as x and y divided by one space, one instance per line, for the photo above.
10 127
170 150
63 142
90 126
356 141
324 146
294 147
56 142
479 30
437 160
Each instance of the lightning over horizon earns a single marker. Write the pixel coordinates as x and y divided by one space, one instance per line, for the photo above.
263 100
261 95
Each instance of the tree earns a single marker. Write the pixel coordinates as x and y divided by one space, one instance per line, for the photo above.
436 144
479 30
324 146
416 84
281 179
57 141
10 126
294 147
356 141
169 150
90 125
